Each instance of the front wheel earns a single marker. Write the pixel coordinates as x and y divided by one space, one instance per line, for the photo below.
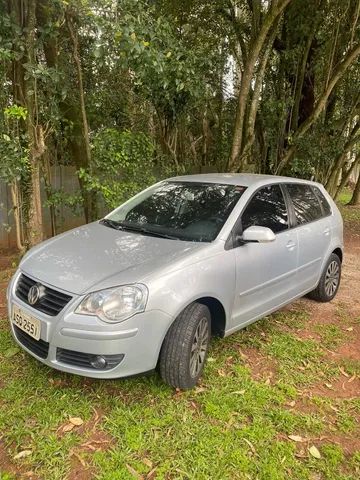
329 281
184 350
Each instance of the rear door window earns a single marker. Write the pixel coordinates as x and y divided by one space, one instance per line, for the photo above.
307 207
267 208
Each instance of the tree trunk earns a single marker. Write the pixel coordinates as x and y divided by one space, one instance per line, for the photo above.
346 175
91 209
340 160
71 110
355 199
304 127
35 134
274 11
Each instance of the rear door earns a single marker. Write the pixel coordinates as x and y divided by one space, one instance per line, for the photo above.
313 227
265 272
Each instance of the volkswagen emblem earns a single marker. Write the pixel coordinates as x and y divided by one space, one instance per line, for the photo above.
34 294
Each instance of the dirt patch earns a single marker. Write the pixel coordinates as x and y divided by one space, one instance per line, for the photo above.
350 350
261 366
341 388
9 467
96 440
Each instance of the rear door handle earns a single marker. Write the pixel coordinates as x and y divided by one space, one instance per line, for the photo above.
290 245
327 231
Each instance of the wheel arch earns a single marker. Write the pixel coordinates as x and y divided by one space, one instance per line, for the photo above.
337 251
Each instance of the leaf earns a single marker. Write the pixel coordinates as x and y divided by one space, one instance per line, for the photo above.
343 372
350 329
314 452
22 454
296 438
168 55
147 462
68 427
134 473
76 421
133 36
146 44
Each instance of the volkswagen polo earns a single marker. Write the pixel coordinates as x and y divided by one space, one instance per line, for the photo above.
190 257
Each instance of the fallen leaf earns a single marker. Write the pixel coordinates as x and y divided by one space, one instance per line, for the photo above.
76 421
296 438
68 427
211 359
199 390
250 445
314 452
291 404
134 473
81 460
238 392
22 454
352 379
147 462
343 372
328 385
350 329
151 474
267 381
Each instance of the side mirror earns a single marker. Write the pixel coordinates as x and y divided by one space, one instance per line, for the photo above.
258 235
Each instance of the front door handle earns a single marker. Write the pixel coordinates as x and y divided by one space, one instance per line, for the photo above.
290 245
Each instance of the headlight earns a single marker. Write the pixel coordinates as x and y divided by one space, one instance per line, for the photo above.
115 304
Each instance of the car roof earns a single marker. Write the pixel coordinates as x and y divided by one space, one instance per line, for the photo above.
243 179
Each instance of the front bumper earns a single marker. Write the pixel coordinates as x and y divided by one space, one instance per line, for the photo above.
137 339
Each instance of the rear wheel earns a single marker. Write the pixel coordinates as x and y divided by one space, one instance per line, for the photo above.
329 281
184 350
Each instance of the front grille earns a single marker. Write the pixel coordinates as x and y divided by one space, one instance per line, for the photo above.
83 360
51 302
38 347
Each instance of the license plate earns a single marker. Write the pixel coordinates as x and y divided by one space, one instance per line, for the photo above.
27 323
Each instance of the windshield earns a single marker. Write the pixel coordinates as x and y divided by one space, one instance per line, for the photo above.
179 210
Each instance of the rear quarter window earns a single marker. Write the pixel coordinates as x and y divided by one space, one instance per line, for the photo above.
324 203
306 204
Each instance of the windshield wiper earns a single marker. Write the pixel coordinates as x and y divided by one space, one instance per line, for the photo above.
111 223
134 228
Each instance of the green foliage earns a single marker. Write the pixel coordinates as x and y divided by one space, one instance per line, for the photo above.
123 164
13 145
168 73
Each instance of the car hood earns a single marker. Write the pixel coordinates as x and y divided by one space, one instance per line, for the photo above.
95 256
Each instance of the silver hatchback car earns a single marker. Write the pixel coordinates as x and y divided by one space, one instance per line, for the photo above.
187 258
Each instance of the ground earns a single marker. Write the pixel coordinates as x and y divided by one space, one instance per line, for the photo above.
279 400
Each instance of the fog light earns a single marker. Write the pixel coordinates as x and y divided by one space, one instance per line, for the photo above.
98 362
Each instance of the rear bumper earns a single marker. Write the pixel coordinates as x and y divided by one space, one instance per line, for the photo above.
136 342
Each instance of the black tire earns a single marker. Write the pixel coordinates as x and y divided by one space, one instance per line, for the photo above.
177 361
329 281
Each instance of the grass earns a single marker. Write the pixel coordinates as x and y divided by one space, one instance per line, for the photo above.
233 426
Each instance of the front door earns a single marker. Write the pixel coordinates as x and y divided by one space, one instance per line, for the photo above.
265 272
